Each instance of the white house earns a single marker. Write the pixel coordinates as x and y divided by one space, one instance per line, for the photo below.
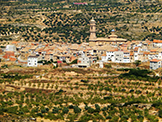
119 56
160 54
84 61
136 53
110 55
104 58
155 64
32 61
11 48
126 56
157 43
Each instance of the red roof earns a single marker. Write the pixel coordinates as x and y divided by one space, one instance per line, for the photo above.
59 62
146 53
154 60
153 50
9 54
12 59
157 41
131 54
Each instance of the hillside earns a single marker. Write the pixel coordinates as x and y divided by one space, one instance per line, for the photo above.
68 95
62 21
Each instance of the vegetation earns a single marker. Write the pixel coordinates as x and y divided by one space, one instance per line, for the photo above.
51 21
134 95
138 74
92 98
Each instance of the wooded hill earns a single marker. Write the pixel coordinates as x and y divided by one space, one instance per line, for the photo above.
59 20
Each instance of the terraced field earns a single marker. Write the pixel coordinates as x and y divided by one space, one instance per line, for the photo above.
80 95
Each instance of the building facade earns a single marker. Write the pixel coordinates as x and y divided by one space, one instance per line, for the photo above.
32 61
155 64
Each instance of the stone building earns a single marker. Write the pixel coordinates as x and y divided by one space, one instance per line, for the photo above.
94 41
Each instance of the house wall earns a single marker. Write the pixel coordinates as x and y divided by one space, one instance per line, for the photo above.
32 62
155 65
119 56
158 44
110 56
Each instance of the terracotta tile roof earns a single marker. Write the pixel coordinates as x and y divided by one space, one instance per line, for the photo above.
131 54
136 48
12 58
153 50
157 41
14 42
146 53
154 60
8 54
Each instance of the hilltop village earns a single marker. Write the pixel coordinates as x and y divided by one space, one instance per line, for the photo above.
98 51
81 61
66 82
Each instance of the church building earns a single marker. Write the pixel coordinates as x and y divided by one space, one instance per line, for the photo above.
94 41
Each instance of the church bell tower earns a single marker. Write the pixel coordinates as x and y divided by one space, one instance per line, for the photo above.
92 30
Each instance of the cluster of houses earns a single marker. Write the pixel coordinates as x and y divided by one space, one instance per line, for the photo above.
97 51
31 53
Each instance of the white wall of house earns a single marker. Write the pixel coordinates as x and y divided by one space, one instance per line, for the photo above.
136 56
158 44
160 55
84 61
126 60
155 65
32 61
119 56
110 55
104 58
10 48
126 57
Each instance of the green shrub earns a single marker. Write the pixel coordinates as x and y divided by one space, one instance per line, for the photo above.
71 106
97 108
160 113
109 117
91 110
55 110
40 114
74 62
77 109
65 110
